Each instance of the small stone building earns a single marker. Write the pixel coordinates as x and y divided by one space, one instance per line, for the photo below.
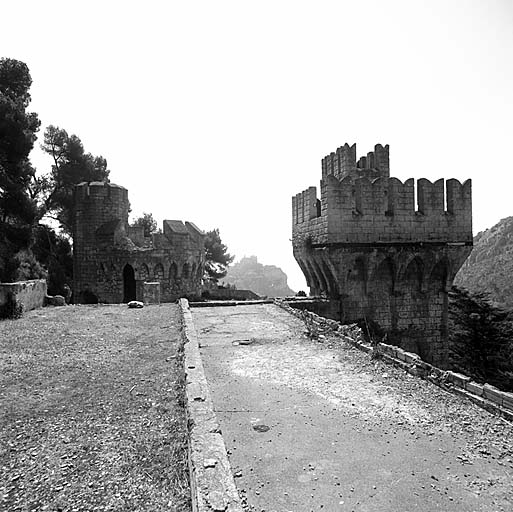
385 252
114 262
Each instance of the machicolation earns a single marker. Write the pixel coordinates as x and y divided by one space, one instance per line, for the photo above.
381 256
114 262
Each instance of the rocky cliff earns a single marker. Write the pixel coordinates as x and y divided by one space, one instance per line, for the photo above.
249 274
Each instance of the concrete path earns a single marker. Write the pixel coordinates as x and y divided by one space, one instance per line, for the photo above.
321 426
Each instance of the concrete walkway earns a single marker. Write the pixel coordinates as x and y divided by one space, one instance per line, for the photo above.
320 426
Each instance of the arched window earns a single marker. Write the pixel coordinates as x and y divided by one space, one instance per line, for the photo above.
158 272
173 272
144 272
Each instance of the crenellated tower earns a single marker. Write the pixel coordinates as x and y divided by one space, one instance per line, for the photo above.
97 205
384 251
114 262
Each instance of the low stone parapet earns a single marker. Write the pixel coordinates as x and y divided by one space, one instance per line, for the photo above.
485 395
151 292
31 294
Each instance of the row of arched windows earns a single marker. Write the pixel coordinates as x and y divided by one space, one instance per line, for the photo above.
187 271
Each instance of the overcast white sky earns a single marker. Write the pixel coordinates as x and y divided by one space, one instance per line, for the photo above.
218 112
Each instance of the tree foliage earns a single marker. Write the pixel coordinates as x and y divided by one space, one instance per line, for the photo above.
147 221
481 338
216 256
71 166
18 128
53 251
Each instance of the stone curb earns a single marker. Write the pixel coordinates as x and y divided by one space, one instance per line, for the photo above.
211 479
484 395
221 303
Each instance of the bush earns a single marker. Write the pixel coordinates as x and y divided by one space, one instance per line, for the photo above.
12 308
27 267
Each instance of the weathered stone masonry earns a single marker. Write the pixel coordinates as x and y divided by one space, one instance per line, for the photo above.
379 256
113 262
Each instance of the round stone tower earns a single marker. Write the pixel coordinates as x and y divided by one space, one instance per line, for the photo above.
97 204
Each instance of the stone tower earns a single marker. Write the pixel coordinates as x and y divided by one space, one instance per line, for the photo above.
382 254
114 262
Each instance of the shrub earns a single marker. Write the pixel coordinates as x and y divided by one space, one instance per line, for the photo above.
12 308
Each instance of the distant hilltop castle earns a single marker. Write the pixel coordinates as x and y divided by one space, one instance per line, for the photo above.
380 255
114 262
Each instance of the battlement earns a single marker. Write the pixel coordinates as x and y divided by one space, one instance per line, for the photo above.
100 190
343 163
384 210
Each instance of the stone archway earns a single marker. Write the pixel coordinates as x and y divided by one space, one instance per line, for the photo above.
129 289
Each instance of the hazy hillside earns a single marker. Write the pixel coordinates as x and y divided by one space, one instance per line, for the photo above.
248 274
489 267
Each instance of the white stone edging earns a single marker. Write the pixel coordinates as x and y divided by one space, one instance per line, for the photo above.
211 478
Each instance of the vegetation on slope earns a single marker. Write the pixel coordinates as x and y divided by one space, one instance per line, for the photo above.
480 339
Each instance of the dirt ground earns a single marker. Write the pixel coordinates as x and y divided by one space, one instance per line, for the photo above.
92 410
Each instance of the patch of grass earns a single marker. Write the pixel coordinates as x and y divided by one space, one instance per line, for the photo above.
93 413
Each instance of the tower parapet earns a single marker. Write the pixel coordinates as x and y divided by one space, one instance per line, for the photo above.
356 244
384 210
98 202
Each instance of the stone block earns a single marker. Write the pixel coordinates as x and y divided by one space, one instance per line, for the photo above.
426 367
410 357
474 388
400 354
458 379
493 394
151 293
389 350
56 300
507 400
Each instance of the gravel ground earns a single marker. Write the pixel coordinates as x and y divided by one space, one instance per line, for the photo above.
92 408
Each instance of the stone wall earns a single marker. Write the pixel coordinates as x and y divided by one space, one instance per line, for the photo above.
380 256
29 293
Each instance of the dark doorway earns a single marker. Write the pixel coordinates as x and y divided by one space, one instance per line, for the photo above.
128 283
